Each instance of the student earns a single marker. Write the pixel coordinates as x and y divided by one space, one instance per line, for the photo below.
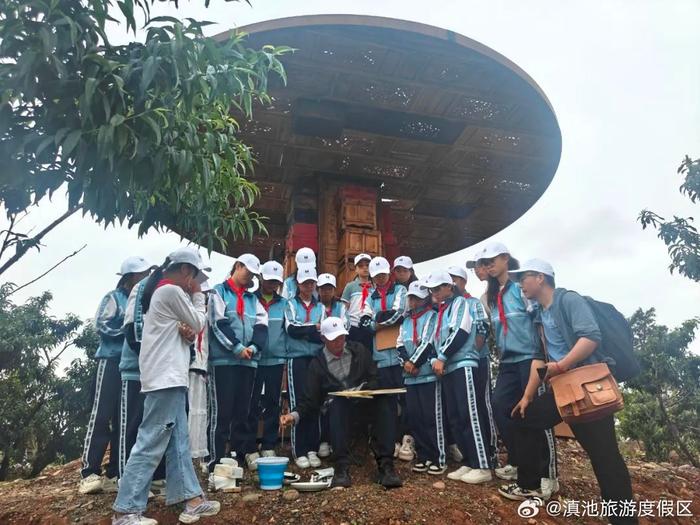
458 339
267 392
332 307
172 297
304 258
197 396
403 271
514 331
424 406
131 407
103 425
340 366
238 325
482 273
571 336
385 307
302 319
355 297
482 378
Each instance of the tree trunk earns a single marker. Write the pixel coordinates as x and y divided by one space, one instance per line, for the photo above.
683 449
5 465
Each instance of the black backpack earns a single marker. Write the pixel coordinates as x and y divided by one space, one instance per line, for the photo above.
616 348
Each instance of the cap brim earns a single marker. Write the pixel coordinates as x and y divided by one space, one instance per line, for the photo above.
307 279
201 277
418 296
254 271
268 277
471 265
333 336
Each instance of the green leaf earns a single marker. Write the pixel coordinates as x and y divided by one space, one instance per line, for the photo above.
90 86
152 124
70 143
117 120
149 70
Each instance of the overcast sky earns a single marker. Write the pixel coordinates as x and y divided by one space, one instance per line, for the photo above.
624 80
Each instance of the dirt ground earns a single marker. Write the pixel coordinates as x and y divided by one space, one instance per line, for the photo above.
53 499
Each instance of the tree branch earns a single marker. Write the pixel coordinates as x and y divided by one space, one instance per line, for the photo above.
76 252
7 237
31 243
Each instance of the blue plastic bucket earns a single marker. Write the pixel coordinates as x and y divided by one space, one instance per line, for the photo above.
271 472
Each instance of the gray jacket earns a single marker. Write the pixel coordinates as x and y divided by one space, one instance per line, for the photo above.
574 318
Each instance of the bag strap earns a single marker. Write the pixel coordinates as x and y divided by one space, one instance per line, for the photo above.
543 340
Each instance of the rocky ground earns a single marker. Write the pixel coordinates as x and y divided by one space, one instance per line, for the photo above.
52 498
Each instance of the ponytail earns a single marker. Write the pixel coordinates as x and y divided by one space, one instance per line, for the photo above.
494 286
151 284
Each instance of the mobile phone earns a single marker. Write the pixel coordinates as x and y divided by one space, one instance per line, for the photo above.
542 372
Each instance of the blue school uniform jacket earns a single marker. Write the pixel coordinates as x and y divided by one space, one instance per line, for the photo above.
133 329
374 317
338 309
519 341
480 324
454 337
230 334
304 339
421 351
275 350
108 323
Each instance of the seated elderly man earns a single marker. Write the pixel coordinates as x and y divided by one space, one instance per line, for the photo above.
345 365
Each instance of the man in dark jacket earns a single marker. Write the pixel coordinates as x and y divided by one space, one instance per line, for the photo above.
344 366
571 336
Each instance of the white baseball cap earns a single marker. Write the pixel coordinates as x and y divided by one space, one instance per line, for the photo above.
435 279
272 271
417 289
404 261
332 327
327 278
362 257
250 261
378 265
458 271
471 263
493 249
305 256
190 256
134 264
534 265
306 273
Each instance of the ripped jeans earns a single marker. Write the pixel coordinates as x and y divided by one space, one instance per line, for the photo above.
163 431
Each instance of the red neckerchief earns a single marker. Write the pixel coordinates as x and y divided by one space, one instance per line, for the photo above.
163 282
441 311
265 304
501 309
467 295
365 293
383 291
239 293
307 308
414 319
329 309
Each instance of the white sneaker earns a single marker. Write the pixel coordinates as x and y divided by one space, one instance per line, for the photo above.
324 450
407 451
133 519
457 474
250 460
436 470
313 459
509 473
455 453
302 462
477 475
548 487
110 485
90 485
192 514
158 487
268 453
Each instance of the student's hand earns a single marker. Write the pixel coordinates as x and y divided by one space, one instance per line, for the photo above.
553 369
438 367
286 420
410 368
195 287
186 332
247 353
520 408
318 327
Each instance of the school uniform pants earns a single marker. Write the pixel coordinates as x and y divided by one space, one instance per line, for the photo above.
377 412
597 438
265 404
231 390
103 425
459 390
361 336
131 414
424 411
510 387
392 377
306 434
162 433
482 384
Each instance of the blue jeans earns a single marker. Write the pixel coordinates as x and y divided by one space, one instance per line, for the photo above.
163 431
